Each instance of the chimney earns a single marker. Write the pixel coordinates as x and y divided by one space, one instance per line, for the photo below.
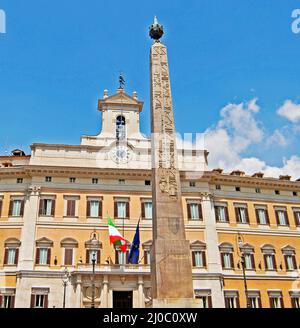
258 175
285 177
237 172
105 94
219 171
135 95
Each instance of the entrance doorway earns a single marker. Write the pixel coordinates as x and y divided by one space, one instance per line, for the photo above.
122 300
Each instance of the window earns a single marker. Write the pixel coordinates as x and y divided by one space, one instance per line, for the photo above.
95 181
146 210
39 300
289 255
297 217
254 299
241 214
221 213
16 207
121 181
47 207
121 257
121 210
270 261
7 301
192 184
257 190
218 187
194 211
68 256
249 261
198 258
43 256
295 193
262 216
94 208
237 188
147 257
72 180
147 183
19 180
276 300
120 128
71 208
277 192
295 299
204 296
11 256
281 217
231 299
227 260
93 254
48 179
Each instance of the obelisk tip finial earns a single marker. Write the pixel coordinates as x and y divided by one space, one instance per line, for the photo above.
156 30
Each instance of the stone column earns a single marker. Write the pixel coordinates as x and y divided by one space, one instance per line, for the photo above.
105 292
28 234
141 292
78 292
212 250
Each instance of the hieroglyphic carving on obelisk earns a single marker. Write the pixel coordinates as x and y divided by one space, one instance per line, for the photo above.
171 269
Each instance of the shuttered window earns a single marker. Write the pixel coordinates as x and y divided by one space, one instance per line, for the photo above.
194 211
121 210
146 209
71 207
16 207
221 213
94 209
47 207
242 215
43 256
68 256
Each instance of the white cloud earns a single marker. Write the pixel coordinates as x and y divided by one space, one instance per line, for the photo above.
236 131
290 110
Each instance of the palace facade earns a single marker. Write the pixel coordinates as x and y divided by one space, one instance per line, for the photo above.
53 222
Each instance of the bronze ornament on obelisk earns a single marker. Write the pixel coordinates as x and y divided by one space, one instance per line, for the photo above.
171 268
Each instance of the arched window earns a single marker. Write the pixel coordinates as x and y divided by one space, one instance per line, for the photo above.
120 127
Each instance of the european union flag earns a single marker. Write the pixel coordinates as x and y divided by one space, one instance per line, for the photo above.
135 247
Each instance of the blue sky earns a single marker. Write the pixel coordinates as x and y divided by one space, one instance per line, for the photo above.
57 57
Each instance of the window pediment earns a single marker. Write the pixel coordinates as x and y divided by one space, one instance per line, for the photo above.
12 242
44 242
69 242
198 245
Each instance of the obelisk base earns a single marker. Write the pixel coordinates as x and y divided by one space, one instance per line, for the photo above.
176 303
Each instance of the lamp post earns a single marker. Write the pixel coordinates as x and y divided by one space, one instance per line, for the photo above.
242 256
94 246
65 280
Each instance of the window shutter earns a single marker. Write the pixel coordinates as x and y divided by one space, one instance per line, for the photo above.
22 207
294 262
292 301
222 260
297 223
259 301
127 210
68 256
238 301
127 257
277 217
11 205
0 207
189 211
204 259
247 215
226 302
17 256
0 301
37 256
53 208
226 214
200 211
41 207
48 256
5 256
216 213
46 302
281 302
100 209
209 301
73 205
253 261
232 261
117 257
115 210
12 301
274 262
32 301
265 261
286 262
145 258
98 256
286 218
88 208
193 259
87 256
267 216
143 210
68 207
257 216
237 217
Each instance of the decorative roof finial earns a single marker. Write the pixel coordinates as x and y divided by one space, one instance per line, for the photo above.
156 30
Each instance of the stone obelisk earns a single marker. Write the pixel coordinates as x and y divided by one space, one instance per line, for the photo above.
171 269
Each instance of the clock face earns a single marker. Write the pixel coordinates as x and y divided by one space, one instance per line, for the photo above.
121 154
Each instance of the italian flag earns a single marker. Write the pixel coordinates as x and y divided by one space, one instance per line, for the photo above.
115 237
